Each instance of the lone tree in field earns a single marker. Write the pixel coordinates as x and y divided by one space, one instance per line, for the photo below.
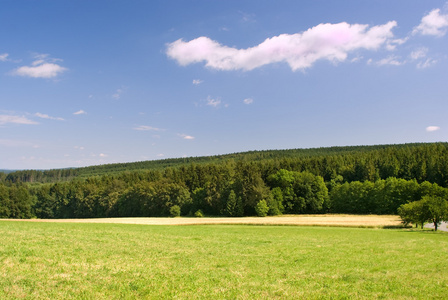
430 209
414 212
438 209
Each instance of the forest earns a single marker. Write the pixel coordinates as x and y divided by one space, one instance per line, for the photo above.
359 179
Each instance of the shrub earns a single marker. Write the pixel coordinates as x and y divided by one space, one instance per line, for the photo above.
175 211
262 208
199 214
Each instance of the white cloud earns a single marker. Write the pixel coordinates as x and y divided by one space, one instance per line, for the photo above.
186 137
45 116
5 119
392 44
160 155
419 53
213 102
391 60
79 147
332 42
432 128
42 67
147 128
103 155
197 81
4 56
426 64
80 112
248 101
433 23
46 70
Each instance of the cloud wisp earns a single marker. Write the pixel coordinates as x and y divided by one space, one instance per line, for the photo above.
432 128
331 42
4 57
80 112
147 128
213 102
434 23
186 137
42 67
390 60
45 116
117 94
5 119
248 101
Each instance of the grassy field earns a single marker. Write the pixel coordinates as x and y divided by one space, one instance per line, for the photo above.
118 261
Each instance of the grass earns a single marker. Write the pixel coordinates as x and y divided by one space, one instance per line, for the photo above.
117 261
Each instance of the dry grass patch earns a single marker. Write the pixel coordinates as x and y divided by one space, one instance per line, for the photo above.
302 220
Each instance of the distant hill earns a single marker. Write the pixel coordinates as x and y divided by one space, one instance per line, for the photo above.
244 156
381 152
7 171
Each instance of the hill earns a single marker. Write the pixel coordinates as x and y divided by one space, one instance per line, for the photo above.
360 153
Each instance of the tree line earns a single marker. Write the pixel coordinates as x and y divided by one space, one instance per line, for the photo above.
230 188
422 162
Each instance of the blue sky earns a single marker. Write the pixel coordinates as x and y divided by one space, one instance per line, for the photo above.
95 82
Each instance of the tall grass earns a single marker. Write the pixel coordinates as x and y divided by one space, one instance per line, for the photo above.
112 261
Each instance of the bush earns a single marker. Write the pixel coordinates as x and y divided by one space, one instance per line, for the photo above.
262 208
199 214
175 211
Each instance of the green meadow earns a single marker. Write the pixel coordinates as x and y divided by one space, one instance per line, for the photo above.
116 261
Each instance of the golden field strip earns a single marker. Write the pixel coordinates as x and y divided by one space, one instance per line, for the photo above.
298 220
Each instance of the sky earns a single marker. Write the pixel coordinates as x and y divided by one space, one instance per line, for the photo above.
95 82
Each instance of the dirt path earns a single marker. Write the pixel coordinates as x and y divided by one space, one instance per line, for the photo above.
304 220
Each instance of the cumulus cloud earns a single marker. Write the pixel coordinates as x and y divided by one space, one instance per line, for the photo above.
45 116
80 112
42 67
197 81
186 137
332 42
5 119
248 101
147 128
4 56
432 128
433 23
45 70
